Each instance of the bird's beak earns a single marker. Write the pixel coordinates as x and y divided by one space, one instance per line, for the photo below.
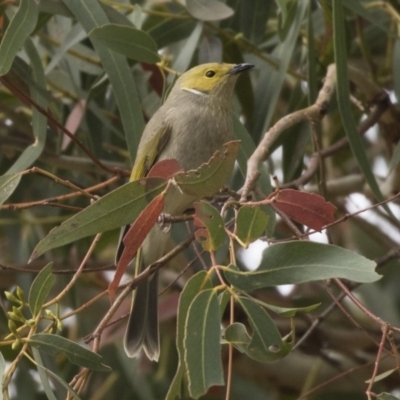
238 68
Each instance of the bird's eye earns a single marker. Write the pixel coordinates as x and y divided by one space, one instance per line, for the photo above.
210 74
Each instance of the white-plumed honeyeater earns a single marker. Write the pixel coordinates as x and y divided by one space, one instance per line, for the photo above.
193 123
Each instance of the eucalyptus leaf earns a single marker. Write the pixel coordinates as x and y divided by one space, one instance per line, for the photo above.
128 41
117 208
40 289
21 26
301 261
78 355
8 183
196 284
202 344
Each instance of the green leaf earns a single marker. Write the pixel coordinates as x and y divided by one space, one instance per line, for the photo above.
42 375
40 289
170 31
386 396
197 283
182 61
266 344
21 26
289 312
208 10
128 41
43 372
383 375
210 177
202 344
78 355
115 209
273 79
90 14
237 335
343 98
2 370
371 16
211 228
251 223
301 261
395 158
8 184
282 8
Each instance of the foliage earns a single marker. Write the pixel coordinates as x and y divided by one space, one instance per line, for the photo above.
79 79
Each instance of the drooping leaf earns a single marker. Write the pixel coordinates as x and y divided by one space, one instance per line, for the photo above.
40 289
45 373
78 355
211 228
301 261
210 177
197 283
134 238
343 98
128 41
91 15
383 375
251 223
202 344
237 335
386 396
290 312
308 209
208 10
21 26
37 85
266 344
117 208
8 184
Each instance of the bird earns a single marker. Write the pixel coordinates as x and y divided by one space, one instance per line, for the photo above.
195 121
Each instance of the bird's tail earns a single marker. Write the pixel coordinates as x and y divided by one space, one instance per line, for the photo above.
142 330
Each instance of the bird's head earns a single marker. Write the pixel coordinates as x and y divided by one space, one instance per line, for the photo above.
213 79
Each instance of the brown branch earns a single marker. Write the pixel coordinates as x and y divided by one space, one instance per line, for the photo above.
314 112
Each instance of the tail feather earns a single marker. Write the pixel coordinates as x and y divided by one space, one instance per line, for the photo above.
142 330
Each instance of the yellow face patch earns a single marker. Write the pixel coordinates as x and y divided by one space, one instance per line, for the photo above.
204 78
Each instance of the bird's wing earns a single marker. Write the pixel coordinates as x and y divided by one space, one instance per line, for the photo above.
149 151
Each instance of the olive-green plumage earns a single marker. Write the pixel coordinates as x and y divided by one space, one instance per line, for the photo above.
194 122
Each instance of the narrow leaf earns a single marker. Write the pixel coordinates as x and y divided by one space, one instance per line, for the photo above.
343 98
210 177
37 86
266 344
134 238
128 41
386 396
21 26
42 375
301 261
197 283
202 344
91 15
308 209
383 375
43 372
251 223
237 335
211 228
8 184
117 208
40 289
208 10
78 355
